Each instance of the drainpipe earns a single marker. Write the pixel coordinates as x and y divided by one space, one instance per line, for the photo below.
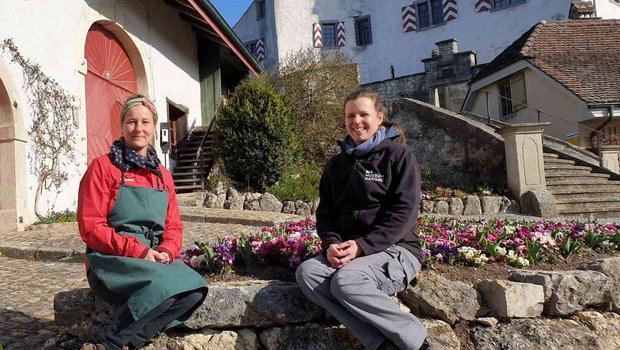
594 5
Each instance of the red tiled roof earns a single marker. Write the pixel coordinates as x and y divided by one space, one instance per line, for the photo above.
583 55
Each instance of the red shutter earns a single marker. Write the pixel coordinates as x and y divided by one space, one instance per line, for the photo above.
317 35
483 5
409 18
340 34
450 10
109 81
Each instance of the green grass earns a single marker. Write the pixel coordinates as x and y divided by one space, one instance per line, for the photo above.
54 217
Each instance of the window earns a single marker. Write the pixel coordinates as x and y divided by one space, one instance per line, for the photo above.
363 31
505 3
260 9
252 46
512 91
430 13
328 30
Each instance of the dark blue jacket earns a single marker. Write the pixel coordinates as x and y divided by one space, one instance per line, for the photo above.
373 199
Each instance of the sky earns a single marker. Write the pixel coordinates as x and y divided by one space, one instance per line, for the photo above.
231 10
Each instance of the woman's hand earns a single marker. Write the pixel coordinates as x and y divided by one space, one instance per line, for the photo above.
340 254
156 256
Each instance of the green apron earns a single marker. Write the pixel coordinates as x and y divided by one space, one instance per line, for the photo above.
141 212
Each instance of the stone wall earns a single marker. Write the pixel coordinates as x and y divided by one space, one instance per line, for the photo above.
413 86
461 152
533 309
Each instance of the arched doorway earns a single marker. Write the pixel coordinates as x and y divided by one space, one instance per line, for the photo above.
8 185
110 79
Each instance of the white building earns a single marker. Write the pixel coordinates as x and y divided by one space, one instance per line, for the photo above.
389 38
179 53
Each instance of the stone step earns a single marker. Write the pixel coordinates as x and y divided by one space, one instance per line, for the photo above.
192 155
607 187
558 166
187 188
589 207
586 197
178 168
596 215
557 161
554 173
581 180
181 181
550 155
185 174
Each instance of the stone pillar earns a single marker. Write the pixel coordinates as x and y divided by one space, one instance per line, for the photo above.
611 158
524 157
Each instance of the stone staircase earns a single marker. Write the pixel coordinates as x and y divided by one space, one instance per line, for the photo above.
578 191
187 173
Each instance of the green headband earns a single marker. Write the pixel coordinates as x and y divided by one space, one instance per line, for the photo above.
138 101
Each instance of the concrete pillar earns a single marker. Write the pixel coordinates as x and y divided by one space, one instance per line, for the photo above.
524 157
611 158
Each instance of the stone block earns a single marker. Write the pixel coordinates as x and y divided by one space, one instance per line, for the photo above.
539 203
512 299
308 337
234 200
440 335
302 208
456 206
611 268
435 296
472 206
213 200
269 202
568 292
253 304
427 206
252 201
441 207
491 204
208 339
288 207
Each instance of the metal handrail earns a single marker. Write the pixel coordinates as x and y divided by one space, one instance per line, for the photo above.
539 112
199 152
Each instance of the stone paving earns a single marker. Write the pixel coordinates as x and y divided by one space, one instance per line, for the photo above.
28 287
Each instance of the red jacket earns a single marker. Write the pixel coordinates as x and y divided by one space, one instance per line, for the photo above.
96 197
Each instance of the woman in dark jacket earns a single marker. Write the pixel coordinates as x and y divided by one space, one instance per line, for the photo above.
367 221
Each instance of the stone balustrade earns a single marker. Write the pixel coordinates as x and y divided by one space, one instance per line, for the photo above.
539 309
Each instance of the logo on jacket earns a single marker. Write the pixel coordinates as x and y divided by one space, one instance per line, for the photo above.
370 175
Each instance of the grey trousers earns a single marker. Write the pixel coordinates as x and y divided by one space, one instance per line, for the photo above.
357 295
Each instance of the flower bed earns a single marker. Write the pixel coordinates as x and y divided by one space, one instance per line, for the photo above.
446 240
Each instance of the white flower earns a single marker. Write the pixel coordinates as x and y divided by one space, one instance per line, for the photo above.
501 250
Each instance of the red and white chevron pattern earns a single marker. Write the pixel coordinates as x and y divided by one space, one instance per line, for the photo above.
260 50
340 34
317 35
409 18
483 5
450 10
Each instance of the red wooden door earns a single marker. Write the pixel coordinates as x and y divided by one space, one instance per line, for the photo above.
109 81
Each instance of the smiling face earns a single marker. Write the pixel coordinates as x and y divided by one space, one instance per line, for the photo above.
362 119
138 128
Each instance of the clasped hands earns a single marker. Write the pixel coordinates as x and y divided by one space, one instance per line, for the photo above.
155 256
340 254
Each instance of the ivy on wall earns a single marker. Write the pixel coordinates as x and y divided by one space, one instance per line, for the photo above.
52 131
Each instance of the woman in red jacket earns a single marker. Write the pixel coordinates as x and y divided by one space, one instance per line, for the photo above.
129 219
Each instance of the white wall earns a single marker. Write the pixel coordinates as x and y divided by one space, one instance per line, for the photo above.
487 33
52 34
607 9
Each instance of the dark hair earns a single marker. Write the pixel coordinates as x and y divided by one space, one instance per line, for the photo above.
378 100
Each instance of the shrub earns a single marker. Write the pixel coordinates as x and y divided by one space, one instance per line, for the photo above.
256 138
299 182
315 83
